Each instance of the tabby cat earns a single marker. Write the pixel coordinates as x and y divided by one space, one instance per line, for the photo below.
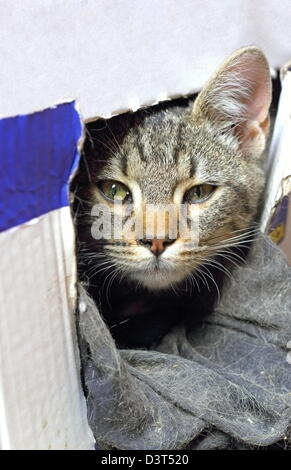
204 154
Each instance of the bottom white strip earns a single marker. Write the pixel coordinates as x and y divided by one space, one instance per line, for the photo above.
41 401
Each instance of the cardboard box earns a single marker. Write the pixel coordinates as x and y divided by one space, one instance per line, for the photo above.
276 218
107 57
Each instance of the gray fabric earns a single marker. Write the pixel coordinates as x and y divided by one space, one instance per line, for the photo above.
226 384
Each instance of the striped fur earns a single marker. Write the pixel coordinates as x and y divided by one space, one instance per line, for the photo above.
160 152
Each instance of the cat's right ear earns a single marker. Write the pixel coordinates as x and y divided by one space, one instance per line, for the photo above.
237 98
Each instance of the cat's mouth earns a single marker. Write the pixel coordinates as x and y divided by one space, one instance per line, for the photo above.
158 274
158 265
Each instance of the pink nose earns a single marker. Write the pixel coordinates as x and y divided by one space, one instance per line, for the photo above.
157 246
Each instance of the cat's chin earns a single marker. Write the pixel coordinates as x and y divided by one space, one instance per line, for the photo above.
159 279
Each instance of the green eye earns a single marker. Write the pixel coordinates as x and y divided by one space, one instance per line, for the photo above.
114 191
199 193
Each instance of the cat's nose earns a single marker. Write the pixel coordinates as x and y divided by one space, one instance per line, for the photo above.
157 246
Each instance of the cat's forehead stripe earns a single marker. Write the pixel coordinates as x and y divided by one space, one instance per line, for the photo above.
177 149
140 144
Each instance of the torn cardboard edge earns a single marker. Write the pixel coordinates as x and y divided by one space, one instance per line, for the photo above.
135 106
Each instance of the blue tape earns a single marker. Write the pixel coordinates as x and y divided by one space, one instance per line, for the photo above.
38 152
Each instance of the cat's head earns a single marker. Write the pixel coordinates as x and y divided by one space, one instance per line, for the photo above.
205 156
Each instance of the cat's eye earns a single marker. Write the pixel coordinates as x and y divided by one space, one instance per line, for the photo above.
199 193
114 191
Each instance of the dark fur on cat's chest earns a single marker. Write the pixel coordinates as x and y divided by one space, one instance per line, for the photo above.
138 318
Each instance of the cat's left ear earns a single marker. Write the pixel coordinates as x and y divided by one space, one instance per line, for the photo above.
237 98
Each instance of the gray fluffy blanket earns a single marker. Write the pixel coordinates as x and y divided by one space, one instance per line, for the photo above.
225 385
